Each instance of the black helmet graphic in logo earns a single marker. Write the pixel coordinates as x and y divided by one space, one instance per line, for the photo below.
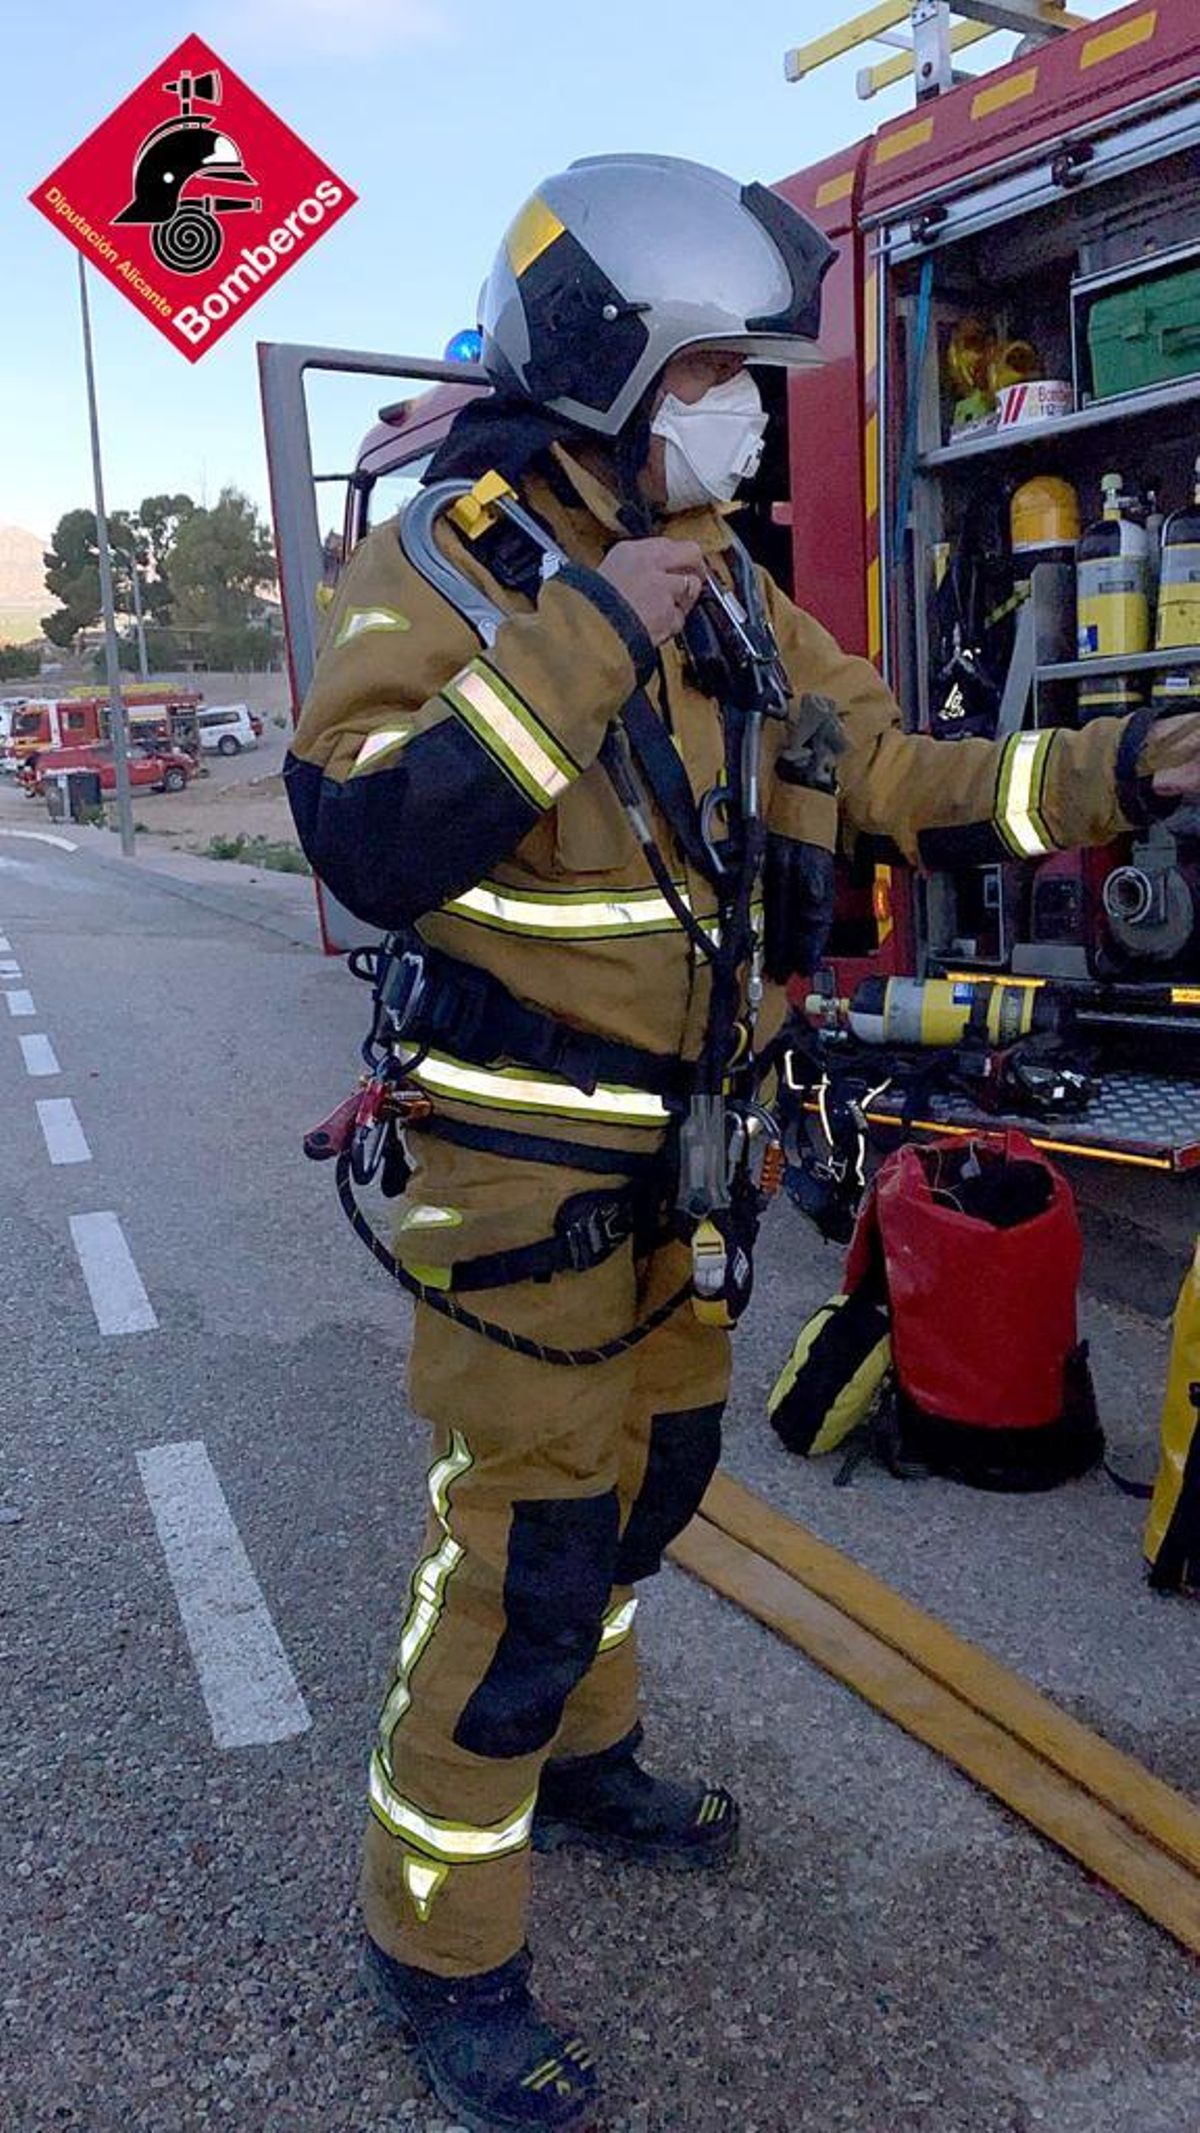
188 151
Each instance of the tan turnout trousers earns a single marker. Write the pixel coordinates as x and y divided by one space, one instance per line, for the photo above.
553 1492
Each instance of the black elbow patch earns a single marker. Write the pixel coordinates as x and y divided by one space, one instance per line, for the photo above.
396 842
556 1587
684 1450
972 844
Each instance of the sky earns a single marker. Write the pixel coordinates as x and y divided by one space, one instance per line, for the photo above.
442 115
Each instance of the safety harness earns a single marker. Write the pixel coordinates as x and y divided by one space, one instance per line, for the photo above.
723 1157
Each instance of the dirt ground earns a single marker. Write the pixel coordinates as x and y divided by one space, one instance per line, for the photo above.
234 796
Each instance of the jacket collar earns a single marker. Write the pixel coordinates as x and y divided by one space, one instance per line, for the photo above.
705 526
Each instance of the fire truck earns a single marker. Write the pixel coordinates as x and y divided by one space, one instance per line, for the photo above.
1012 317
152 712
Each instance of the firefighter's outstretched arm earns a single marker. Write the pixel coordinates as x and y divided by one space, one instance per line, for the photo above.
947 804
421 760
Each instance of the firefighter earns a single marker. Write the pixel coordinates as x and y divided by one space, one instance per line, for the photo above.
563 977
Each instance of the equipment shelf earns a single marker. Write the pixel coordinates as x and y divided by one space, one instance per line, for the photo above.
1123 407
1181 655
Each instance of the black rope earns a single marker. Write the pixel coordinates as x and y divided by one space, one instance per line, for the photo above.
518 1343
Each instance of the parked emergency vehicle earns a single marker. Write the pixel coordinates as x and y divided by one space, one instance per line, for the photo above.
154 712
152 765
1014 313
52 722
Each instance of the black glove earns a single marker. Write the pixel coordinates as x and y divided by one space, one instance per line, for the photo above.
797 907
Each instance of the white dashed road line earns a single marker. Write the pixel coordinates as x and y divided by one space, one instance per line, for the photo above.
20 1003
245 1677
38 1054
119 1299
65 1139
10 970
5 948
62 844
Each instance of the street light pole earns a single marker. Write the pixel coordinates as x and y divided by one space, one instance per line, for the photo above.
116 707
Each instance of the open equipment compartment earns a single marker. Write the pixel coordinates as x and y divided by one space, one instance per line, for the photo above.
1037 273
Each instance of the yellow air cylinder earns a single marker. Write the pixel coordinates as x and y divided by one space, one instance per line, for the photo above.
1178 688
938 1011
1113 587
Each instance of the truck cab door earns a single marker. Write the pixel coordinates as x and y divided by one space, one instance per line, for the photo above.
283 370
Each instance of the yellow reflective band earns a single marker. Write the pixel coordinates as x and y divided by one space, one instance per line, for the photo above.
552 2071
422 1217
617 1624
445 1473
429 1582
1111 43
511 732
533 232
839 188
388 741
430 1277
509 1089
580 917
1019 797
891 145
423 1882
1000 94
457 1843
358 620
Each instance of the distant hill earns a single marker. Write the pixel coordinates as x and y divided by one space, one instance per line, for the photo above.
23 596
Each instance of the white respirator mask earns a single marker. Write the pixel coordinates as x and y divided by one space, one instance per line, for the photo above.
712 443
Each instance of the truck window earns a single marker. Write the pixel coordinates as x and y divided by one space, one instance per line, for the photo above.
390 491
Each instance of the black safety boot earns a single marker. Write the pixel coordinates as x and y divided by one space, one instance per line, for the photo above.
488 2052
609 1803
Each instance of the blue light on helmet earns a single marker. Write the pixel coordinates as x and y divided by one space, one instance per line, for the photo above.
466 347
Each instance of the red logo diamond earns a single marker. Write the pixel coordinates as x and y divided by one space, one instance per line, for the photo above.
192 198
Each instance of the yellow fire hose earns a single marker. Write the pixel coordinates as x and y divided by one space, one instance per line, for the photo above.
1120 1822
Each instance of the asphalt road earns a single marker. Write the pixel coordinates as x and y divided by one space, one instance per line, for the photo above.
893 1953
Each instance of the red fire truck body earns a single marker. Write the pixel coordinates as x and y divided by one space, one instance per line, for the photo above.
152 712
1019 199
52 722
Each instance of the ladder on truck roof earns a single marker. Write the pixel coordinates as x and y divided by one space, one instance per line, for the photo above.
936 37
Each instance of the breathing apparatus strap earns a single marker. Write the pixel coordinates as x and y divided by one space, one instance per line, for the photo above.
661 766
424 997
539 1148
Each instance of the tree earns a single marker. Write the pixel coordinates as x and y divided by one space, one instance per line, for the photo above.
73 576
156 524
73 572
19 661
216 562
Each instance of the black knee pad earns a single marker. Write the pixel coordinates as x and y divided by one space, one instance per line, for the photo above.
556 1587
684 1450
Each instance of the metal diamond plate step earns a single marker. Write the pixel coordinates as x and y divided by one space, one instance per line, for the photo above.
1147 1119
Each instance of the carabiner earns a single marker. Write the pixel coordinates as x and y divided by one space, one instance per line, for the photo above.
717 798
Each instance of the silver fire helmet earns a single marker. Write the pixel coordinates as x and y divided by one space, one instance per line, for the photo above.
619 263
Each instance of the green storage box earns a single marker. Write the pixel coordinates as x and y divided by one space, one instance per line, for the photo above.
1145 334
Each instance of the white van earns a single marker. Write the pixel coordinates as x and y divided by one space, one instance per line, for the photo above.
225 729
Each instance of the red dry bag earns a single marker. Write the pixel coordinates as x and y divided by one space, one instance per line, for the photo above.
978 1247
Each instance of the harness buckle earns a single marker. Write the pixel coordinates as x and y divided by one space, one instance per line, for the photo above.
592 1228
402 989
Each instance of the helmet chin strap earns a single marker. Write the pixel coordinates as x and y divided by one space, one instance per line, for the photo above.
631 451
